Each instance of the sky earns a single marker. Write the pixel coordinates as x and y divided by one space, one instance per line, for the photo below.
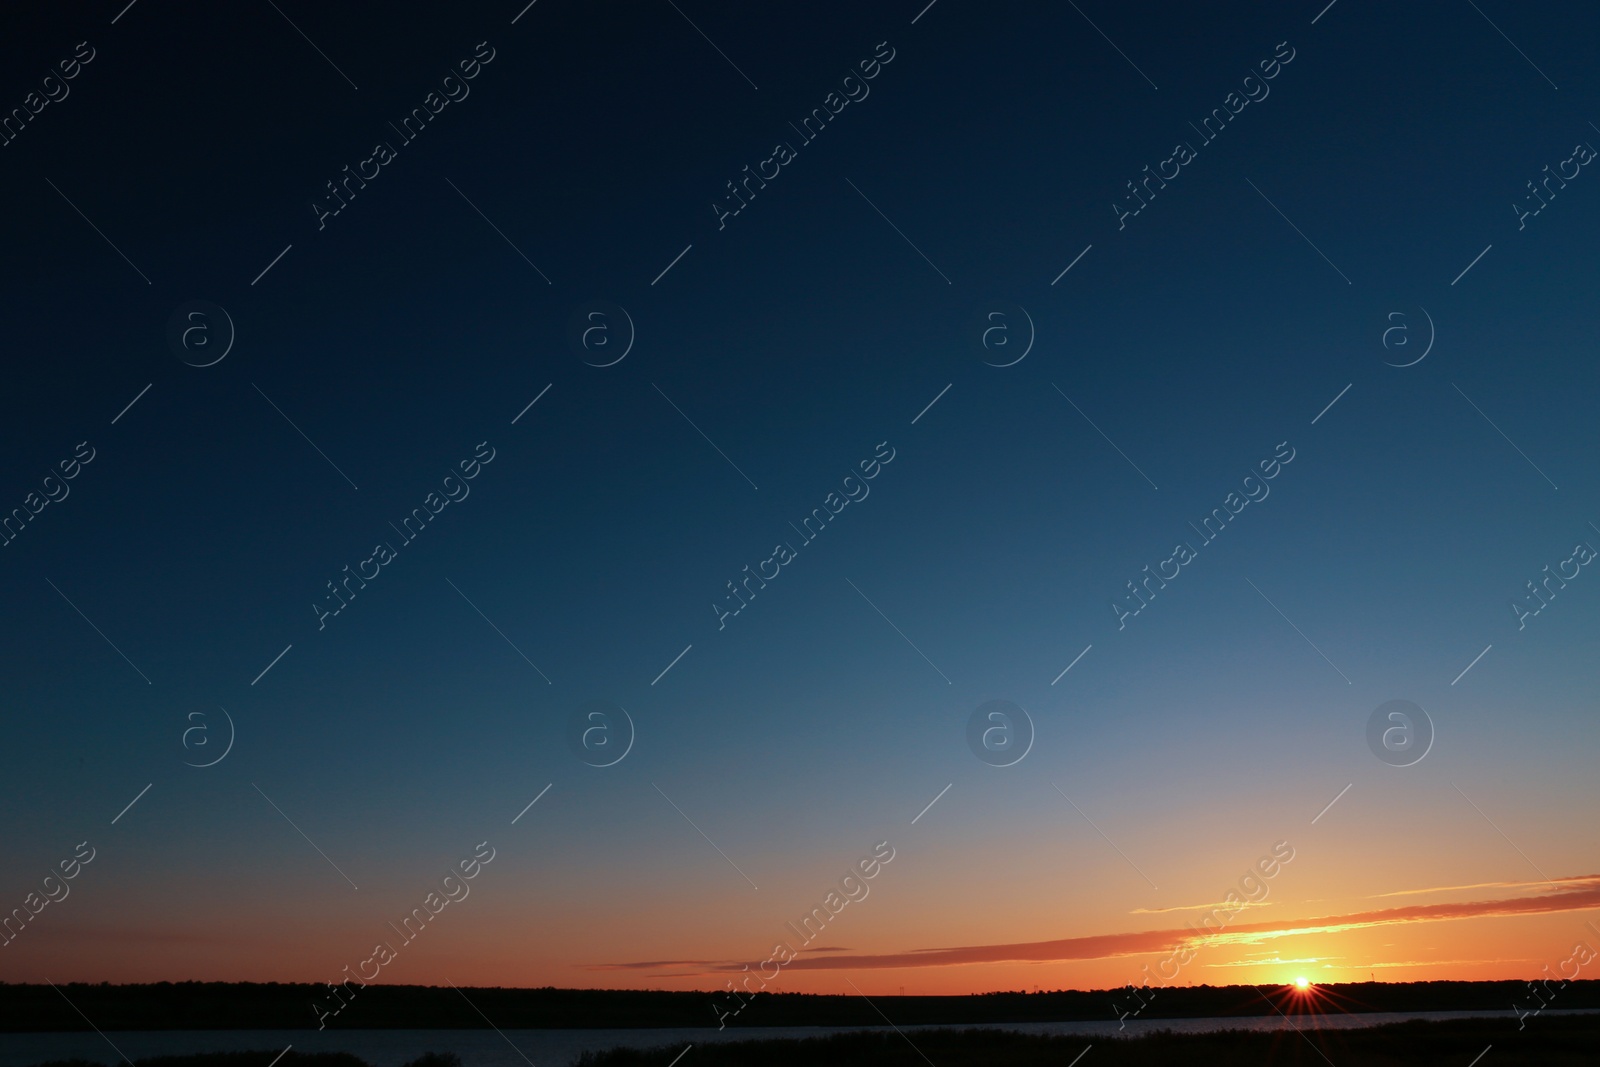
771 390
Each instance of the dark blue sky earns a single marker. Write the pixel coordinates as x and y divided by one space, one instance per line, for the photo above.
1179 352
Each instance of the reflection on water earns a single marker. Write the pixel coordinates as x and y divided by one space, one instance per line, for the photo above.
557 1048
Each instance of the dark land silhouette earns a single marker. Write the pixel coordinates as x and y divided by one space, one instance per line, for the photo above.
271 1005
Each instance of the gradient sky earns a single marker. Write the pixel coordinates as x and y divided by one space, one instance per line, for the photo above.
771 358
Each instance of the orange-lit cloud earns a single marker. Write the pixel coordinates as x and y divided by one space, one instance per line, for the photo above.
1570 894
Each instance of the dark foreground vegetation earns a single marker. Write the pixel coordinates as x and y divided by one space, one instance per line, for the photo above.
1549 1041
289 1006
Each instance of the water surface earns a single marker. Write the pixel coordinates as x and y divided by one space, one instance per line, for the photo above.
557 1048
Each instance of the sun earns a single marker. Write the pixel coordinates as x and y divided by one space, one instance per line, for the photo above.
1302 984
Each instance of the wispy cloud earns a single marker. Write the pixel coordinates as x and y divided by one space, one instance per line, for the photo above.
1438 963
1572 894
1222 904
1541 884
645 965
